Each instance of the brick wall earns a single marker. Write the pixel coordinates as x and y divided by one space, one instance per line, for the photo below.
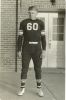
0 33
42 5
8 34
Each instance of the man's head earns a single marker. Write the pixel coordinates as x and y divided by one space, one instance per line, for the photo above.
32 12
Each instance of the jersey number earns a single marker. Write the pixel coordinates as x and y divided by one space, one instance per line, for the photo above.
31 26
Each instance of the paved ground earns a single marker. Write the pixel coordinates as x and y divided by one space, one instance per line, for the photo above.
53 82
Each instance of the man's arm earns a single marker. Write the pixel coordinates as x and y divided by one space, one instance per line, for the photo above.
43 40
19 40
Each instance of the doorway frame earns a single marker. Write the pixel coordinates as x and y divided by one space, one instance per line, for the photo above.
56 12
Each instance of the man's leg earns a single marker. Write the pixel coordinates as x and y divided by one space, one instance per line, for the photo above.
37 59
25 65
37 67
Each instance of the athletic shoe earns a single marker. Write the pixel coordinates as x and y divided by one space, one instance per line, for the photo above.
40 92
21 92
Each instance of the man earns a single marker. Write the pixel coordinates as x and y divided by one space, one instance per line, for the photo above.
32 29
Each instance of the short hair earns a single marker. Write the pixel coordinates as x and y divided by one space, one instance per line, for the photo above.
32 8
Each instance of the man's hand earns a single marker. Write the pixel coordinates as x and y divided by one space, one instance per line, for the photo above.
19 54
43 54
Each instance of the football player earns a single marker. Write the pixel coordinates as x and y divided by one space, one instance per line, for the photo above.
32 39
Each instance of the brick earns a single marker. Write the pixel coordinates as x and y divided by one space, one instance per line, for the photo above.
8 34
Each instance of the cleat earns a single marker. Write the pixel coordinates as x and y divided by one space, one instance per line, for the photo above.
21 92
40 92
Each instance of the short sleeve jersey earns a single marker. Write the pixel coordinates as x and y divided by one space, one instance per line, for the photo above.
32 29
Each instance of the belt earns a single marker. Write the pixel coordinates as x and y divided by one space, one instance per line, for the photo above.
33 42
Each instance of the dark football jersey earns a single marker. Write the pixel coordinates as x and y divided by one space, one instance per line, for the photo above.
32 29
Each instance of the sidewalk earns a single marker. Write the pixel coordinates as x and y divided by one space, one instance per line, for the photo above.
53 82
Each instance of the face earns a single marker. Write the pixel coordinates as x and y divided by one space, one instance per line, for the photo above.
33 14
